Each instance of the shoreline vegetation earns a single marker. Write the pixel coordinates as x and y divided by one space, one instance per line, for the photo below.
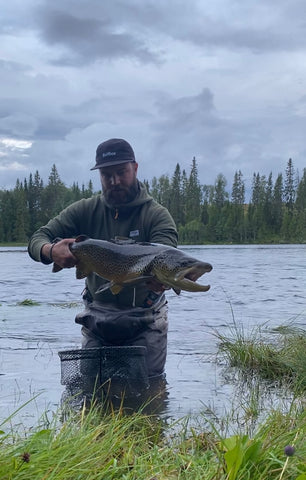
273 211
101 442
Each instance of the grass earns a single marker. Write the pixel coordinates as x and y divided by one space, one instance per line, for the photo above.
27 302
282 360
106 444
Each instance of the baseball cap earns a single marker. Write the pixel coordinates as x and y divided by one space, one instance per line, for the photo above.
113 152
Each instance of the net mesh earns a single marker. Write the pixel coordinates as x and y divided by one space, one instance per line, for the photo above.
116 368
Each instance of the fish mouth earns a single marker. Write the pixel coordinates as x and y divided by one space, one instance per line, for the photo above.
187 277
196 271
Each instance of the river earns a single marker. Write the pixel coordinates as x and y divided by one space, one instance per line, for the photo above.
251 286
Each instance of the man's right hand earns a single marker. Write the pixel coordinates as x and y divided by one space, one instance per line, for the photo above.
61 254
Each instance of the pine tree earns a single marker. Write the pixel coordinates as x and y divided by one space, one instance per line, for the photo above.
290 186
8 211
268 203
238 189
20 218
216 228
277 204
301 193
176 195
53 198
235 225
193 194
34 197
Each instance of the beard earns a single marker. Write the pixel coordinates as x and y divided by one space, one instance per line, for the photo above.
120 195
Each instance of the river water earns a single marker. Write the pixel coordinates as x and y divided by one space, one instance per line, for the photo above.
251 286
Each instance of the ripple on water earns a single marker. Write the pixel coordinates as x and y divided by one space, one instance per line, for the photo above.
248 288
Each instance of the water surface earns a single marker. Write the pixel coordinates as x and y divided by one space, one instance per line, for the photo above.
252 285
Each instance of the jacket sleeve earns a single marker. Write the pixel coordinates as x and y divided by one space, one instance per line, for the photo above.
64 225
161 225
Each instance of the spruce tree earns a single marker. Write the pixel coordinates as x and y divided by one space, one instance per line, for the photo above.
290 186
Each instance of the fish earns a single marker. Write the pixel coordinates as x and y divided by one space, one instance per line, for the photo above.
125 264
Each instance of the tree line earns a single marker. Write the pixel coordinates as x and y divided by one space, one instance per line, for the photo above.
274 213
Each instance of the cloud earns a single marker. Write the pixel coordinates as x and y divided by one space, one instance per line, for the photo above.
14 144
87 39
12 166
221 80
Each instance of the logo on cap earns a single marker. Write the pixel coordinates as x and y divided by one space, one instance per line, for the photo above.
109 154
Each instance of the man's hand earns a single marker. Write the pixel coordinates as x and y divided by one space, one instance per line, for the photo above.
156 286
61 254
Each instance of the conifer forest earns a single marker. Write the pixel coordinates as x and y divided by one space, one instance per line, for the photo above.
275 211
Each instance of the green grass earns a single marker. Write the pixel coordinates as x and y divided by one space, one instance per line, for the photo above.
282 360
103 443
27 302
99 444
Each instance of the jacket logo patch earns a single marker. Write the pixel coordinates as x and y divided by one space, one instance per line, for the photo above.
134 233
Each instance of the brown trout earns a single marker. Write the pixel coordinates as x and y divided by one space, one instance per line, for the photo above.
127 264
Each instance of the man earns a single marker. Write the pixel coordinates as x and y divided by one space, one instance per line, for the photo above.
137 315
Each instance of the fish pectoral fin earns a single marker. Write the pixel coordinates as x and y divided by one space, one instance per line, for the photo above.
56 268
115 288
134 281
104 287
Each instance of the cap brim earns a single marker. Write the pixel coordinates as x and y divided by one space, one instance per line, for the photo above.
109 164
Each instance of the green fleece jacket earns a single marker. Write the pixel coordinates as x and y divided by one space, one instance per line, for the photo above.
143 220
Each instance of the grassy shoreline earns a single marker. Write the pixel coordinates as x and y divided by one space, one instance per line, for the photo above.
101 442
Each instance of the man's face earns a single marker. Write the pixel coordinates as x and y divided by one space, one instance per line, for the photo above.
119 182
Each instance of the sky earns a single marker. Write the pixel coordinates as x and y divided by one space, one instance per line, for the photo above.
223 81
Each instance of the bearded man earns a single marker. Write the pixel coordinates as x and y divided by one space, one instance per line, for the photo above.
137 315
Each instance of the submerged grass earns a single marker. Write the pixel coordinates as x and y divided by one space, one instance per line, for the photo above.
282 360
106 444
27 302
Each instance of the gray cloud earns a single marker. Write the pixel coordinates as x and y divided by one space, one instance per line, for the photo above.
88 39
220 80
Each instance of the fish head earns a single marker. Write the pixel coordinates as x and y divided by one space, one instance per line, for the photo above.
180 271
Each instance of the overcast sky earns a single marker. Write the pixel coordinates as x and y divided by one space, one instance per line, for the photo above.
221 80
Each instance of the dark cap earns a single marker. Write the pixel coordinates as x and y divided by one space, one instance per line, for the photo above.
113 152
